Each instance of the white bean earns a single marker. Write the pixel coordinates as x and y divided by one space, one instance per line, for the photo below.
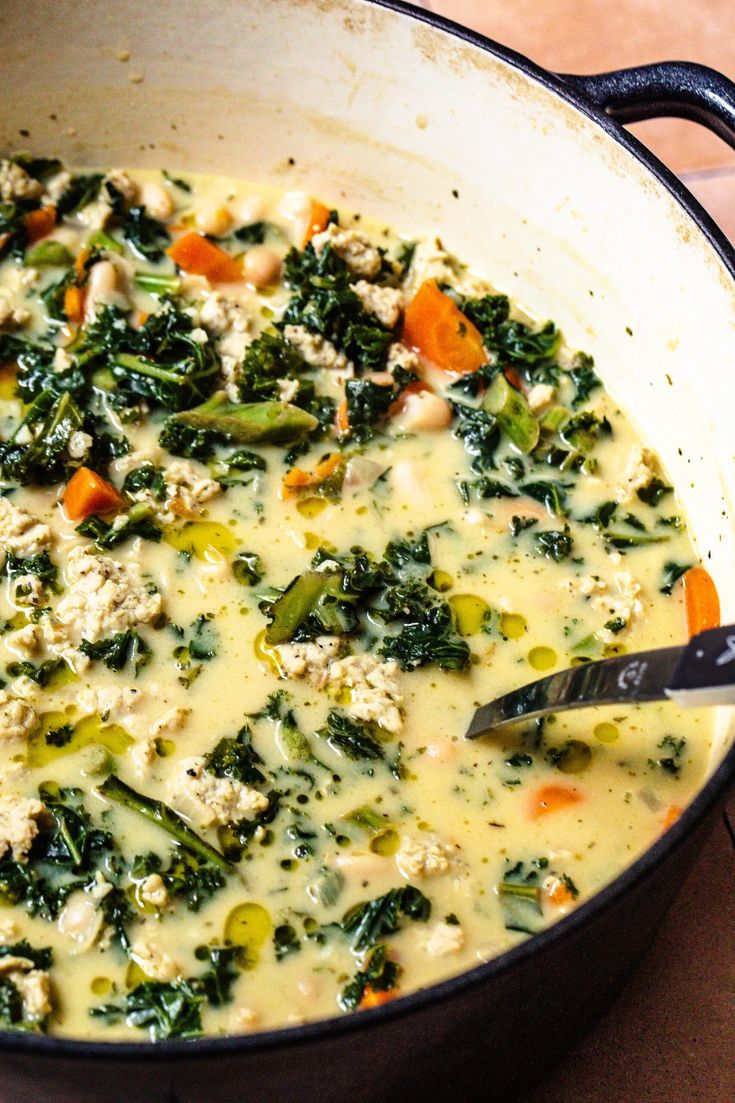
157 199
102 279
423 410
212 218
261 266
102 288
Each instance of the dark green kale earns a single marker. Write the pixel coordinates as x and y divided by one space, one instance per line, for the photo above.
44 459
146 236
600 517
185 876
267 360
673 761
583 430
369 403
40 168
485 487
39 565
204 638
65 856
146 477
551 494
582 375
166 1009
236 758
73 841
654 492
35 367
520 524
118 650
367 406
572 757
672 572
176 181
514 342
428 637
367 923
13 235
12 1004
80 191
185 440
230 469
285 941
378 974
520 895
632 539
161 362
165 363
41 674
323 301
406 551
59 737
40 958
254 233
350 738
172 1009
137 521
247 568
479 432
555 544
216 982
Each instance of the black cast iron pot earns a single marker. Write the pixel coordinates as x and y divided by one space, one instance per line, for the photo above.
398 110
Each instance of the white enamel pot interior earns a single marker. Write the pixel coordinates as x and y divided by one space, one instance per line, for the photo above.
371 109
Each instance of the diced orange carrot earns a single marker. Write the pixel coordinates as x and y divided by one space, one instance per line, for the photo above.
341 419
316 221
80 263
672 815
296 480
140 318
436 327
701 600
372 997
39 223
293 481
87 492
416 387
197 254
74 303
513 378
552 798
559 894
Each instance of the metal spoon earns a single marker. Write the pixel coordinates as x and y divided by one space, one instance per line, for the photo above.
701 672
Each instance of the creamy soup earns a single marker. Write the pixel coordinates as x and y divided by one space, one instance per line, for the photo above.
285 497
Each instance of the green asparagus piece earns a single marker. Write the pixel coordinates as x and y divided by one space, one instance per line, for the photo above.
514 416
251 422
49 254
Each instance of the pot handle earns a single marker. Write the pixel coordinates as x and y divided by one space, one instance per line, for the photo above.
665 88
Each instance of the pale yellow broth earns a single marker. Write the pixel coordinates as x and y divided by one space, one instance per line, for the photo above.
463 794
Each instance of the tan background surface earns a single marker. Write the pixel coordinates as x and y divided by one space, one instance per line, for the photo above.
670 1038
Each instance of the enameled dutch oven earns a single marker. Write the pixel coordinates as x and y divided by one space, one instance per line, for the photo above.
526 175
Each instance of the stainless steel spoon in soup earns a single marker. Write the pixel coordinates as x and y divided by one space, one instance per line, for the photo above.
699 673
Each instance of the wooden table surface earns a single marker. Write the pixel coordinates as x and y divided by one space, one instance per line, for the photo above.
670 1037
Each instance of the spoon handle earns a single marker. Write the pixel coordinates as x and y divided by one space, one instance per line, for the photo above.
700 673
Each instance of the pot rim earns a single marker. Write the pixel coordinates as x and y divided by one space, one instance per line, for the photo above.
53 1046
